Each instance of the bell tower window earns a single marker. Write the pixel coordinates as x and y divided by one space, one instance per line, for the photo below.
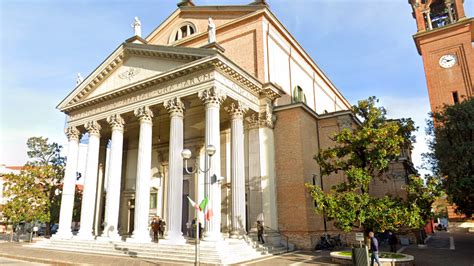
183 31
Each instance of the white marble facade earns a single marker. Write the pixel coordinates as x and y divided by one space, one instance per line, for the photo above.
144 105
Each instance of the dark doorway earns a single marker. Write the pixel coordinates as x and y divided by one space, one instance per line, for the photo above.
185 209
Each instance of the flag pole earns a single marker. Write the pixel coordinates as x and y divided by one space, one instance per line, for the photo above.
196 258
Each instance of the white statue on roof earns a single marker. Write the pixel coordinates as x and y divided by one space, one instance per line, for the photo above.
79 79
211 28
137 26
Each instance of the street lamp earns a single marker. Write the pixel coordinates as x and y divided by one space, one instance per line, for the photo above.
186 154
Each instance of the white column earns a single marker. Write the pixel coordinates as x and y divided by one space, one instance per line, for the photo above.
69 185
142 187
175 185
212 99
112 201
90 181
237 111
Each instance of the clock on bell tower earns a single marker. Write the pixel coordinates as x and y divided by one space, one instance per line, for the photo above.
444 40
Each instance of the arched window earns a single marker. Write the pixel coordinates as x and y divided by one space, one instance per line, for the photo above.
298 95
183 31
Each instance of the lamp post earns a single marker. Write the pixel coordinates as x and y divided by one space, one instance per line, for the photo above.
186 154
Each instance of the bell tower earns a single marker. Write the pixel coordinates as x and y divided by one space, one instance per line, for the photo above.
444 40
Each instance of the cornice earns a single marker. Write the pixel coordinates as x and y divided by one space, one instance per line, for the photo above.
116 59
214 63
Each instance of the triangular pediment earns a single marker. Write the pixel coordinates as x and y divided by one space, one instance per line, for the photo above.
129 64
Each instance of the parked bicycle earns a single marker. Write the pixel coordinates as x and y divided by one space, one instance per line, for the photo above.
327 242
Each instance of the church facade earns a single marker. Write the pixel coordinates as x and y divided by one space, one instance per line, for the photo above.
233 86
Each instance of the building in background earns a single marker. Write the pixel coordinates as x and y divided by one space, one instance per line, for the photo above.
444 40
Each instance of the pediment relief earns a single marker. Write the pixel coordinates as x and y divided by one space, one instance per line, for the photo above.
131 71
129 64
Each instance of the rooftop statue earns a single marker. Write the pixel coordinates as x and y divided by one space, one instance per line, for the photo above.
79 79
137 26
211 28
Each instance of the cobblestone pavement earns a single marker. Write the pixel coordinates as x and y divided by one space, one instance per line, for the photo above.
445 248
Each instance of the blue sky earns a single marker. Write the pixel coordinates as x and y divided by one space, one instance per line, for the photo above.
364 46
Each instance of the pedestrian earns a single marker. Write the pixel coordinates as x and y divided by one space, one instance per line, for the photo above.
155 226
374 247
162 228
200 230
392 241
260 232
193 226
188 228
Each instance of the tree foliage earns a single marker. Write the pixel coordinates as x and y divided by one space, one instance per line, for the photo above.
451 153
34 193
364 153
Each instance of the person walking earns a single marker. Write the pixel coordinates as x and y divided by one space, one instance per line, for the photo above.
162 227
155 227
260 232
392 241
374 247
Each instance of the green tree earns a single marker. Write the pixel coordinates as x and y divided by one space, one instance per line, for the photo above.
34 194
451 153
365 153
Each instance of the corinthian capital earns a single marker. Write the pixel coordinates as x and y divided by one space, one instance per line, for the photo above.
143 113
236 110
174 106
115 121
212 96
72 133
93 128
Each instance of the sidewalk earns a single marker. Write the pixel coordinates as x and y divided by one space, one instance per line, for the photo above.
445 248
52 257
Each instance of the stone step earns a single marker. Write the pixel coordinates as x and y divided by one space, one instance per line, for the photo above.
164 256
230 251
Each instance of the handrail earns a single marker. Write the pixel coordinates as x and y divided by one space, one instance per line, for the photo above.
286 237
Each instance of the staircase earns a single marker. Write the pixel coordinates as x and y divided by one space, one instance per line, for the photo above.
275 243
225 252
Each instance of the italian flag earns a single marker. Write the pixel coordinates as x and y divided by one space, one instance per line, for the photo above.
202 207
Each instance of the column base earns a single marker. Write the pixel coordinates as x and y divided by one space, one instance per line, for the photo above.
175 238
62 235
84 237
237 234
139 239
110 238
213 237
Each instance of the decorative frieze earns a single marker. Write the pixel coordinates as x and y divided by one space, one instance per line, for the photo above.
141 96
236 110
175 106
212 96
143 113
72 133
93 128
115 121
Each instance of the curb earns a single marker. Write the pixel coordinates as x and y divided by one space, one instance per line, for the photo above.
33 259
